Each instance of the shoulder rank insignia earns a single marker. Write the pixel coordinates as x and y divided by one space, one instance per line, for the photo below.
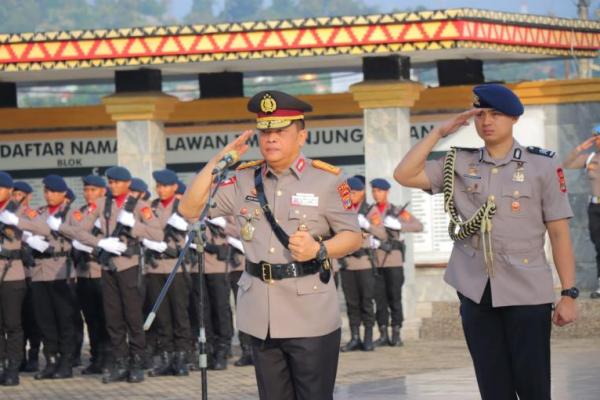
146 213
326 167
470 149
77 215
250 164
541 152
31 213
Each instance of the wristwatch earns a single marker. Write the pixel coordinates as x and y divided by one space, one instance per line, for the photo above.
572 292
322 253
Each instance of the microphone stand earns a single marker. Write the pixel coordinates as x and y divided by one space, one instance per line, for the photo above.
197 236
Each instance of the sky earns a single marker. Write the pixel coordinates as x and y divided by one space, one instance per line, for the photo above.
559 8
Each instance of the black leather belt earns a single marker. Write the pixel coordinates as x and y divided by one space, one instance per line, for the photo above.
359 253
10 254
51 255
273 272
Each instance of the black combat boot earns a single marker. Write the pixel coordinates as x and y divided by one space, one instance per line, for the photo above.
32 364
180 367
220 358
246 357
117 372
384 339
11 373
367 344
50 369
65 368
136 369
3 363
162 366
95 366
193 360
596 294
396 341
149 361
354 343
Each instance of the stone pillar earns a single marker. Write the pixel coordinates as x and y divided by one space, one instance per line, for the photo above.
386 105
139 114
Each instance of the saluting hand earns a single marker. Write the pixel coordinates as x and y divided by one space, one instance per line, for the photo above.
450 126
589 142
239 145
565 311
303 246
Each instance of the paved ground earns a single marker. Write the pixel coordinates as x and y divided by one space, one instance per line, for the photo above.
420 370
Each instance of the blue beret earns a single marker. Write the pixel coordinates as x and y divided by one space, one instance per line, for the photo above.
360 178
94 180
355 183
165 177
70 195
380 183
596 130
118 173
498 97
55 183
180 187
23 187
138 185
146 195
6 180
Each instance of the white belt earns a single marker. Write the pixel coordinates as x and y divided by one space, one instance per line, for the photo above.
595 199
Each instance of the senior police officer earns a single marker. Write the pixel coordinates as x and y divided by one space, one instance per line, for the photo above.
53 300
388 222
358 277
12 289
124 222
173 324
502 198
287 300
580 158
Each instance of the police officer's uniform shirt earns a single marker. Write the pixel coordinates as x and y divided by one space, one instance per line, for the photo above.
592 169
92 269
16 271
304 194
529 190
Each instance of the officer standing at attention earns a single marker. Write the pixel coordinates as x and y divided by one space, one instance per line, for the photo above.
293 214
502 198
590 161
173 323
358 277
387 224
53 300
12 290
121 292
22 192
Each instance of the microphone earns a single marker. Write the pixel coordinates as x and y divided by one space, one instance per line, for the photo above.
230 158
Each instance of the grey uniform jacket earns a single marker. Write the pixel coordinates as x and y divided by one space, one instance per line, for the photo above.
13 270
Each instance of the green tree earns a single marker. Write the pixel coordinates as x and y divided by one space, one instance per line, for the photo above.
202 11
241 10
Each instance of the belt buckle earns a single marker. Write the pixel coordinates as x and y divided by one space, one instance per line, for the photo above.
267 272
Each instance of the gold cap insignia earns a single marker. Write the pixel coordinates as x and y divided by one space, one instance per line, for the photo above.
268 104
476 100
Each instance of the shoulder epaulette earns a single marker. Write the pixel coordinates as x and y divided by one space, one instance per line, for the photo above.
469 149
31 213
326 167
250 164
541 152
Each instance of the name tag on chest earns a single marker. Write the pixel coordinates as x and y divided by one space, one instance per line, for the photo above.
305 199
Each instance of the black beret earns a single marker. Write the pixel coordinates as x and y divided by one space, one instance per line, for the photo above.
165 177
118 173
94 180
138 185
355 183
6 180
180 187
380 183
55 183
22 186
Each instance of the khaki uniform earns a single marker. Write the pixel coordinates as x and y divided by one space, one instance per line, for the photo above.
92 269
304 194
528 193
592 169
15 271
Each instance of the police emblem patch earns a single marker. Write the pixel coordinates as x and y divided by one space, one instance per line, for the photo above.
344 192
268 104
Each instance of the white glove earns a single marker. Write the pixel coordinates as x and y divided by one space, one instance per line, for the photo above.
392 223
82 247
156 246
374 243
236 243
53 222
112 245
219 221
38 243
98 224
192 245
26 235
363 222
8 218
177 222
126 218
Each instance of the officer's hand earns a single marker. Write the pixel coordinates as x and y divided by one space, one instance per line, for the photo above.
374 243
239 145
450 126
112 245
235 243
221 222
177 222
126 218
8 218
363 222
303 246
38 243
81 247
159 247
589 142
97 223
565 311
53 222
392 223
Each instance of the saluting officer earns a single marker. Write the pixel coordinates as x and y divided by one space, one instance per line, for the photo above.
388 222
502 198
54 303
121 275
173 323
358 277
12 289
579 158
287 300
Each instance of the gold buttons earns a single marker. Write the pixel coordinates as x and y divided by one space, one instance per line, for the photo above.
315 287
516 193
279 193
525 261
296 212
494 170
272 250
491 197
